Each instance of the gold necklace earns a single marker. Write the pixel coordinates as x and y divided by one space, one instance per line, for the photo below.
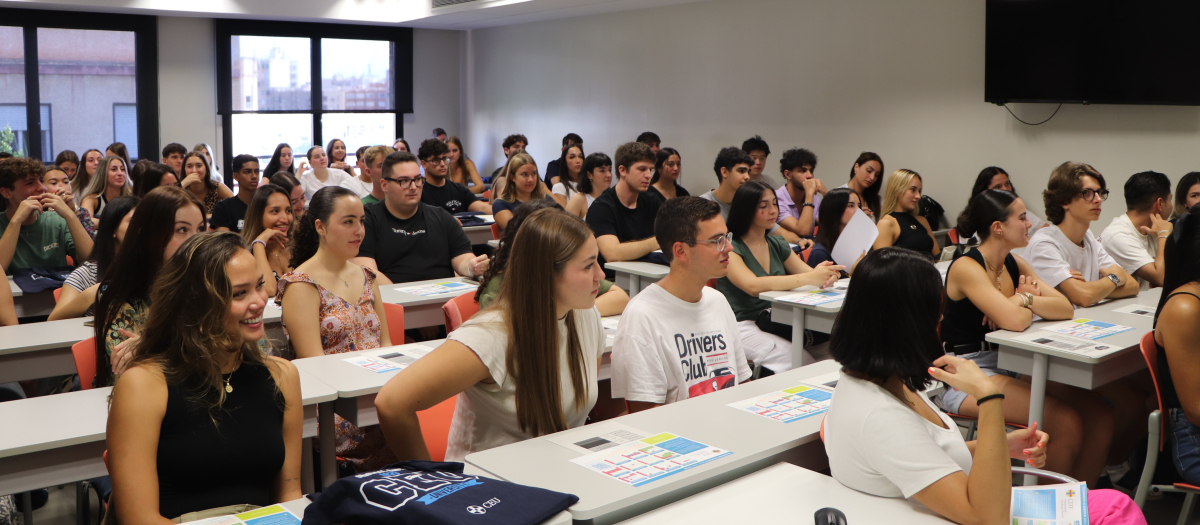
988 269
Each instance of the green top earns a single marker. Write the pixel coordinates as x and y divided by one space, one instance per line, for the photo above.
369 199
745 307
493 289
46 243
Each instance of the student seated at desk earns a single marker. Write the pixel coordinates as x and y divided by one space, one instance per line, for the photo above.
837 207
1067 255
46 230
678 338
407 240
321 174
1187 194
1135 239
462 169
900 225
523 186
668 166
152 176
1178 339
281 160
866 177
526 366
295 192
733 169
56 182
229 215
995 178
111 181
761 262
566 183
372 161
623 216
440 190
512 145
331 305
800 196
610 300
197 179
268 220
202 424
991 288
164 219
79 290
597 177
883 435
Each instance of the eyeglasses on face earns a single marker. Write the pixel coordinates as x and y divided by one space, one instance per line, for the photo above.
721 241
438 160
404 183
1089 194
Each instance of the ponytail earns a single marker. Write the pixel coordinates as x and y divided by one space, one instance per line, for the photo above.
985 208
305 240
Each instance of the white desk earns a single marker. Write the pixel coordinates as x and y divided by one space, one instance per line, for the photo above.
494 243
37 350
60 438
786 494
30 305
818 318
635 276
420 311
478 234
756 442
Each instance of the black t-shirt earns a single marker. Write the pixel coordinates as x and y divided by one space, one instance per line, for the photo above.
607 216
551 171
230 213
452 196
414 249
680 191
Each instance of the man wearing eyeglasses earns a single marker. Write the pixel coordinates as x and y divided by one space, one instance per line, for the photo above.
230 214
408 240
678 338
1067 255
439 190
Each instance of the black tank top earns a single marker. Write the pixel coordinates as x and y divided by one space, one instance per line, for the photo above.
913 234
202 466
1170 398
962 322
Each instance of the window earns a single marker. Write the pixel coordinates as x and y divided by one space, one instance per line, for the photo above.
92 78
306 84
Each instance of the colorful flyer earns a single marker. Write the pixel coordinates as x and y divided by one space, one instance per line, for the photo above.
389 360
1062 342
378 366
1062 504
273 515
1087 329
444 288
814 297
1137 309
788 405
640 462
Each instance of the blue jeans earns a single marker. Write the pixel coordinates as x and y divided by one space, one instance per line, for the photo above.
1185 439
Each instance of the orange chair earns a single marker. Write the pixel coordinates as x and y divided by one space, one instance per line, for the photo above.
84 353
395 322
487 195
458 310
1158 432
953 234
57 294
435 427
805 253
496 230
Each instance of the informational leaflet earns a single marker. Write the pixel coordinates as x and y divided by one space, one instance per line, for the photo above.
1062 504
1065 343
1087 329
815 297
648 459
389 360
856 238
272 515
443 288
1137 309
597 437
788 405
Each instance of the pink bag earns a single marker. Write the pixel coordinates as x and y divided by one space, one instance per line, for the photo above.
1113 507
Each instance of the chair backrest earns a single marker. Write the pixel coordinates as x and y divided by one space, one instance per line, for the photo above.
435 427
458 310
395 322
712 283
805 253
487 194
1150 354
953 234
496 231
823 429
57 294
84 353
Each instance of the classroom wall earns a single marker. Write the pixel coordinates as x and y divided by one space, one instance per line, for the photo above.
903 79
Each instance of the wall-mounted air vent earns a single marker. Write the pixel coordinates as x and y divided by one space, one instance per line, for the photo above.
448 3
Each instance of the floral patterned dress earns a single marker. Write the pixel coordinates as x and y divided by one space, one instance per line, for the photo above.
345 328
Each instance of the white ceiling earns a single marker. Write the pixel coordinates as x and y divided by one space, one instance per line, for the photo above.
409 13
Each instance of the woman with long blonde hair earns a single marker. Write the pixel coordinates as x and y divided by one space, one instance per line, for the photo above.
110 181
900 225
523 185
523 367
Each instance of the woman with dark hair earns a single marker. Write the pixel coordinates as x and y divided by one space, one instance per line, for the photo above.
885 437
523 367
59 183
111 181
994 178
118 149
321 175
337 156
295 192
268 219
668 166
208 154
153 176
1187 194
596 177
566 183
462 169
89 162
281 160
1177 336
759 263
79 290
610 300
837 207
165 218
197 179
401 145
331 305
202 424
68 161
866 177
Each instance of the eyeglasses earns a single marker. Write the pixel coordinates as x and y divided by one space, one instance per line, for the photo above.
404 183
721 241
1089 194
439 160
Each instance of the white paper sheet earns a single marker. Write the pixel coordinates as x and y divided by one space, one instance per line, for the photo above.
1137 309
1065 343
1062 504
788 405
604 435
640 462
858 237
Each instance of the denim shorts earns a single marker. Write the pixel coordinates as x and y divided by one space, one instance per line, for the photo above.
1185 438
951 398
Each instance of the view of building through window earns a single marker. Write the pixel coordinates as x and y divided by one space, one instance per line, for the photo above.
13 127
87 80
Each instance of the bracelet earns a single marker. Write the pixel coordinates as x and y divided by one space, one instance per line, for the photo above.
469 272
1161 236
809 205
258 241
985 399
1027 298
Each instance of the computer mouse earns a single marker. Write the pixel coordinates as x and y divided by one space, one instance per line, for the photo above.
830 516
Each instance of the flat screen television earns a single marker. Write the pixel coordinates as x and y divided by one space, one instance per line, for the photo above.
1092 52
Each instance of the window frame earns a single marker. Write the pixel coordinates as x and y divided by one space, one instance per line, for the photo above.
145 30
402 72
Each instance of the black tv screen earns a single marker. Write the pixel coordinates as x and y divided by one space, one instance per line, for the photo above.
1090 52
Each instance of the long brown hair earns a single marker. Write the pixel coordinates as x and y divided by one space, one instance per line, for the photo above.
509 194
187 325
546 242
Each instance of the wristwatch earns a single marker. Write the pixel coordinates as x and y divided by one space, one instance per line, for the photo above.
1116 280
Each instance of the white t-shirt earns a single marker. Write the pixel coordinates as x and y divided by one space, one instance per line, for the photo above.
356 185
879 446
311 185
1129 247
486 414
562 189
1052 256
668 349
